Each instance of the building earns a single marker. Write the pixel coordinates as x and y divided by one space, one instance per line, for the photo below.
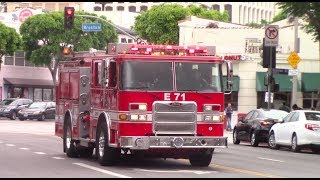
243 44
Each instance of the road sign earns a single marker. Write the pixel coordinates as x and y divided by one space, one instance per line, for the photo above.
294 59
293 72
280 71
266 97
91 27
271 35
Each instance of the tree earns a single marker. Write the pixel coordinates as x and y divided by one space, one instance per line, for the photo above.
43 34
280 16
159 24
10 41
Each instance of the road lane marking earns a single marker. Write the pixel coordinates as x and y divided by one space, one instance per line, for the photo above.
39 152
10 145
24 148
270 159
241 170
175 171
57 157
102 170
246 171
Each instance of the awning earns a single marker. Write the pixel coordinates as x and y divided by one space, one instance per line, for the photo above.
284 81
28 82
310 82
236 82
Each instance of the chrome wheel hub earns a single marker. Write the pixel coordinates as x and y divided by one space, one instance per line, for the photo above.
68 139
101 144
253 138
272 140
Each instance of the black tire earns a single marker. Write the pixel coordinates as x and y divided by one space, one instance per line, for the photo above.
201 160
235 137
13 115
294 144
315 150
254 141
22 119
272 141
107 156
42 117
68 143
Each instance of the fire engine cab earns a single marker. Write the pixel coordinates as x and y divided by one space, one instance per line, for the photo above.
158 101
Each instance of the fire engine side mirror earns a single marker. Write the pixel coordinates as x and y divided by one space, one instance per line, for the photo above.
229 84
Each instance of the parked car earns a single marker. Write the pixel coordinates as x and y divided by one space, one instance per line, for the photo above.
11 106
299 129
38 110
255 126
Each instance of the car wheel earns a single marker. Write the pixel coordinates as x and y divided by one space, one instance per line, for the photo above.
201 160
272 141
254 139
68 142
21 119
315 150
13 115
107 156
294 144
235 137
42 117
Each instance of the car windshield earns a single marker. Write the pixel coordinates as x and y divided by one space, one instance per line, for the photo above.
151 76
312 116
40 105
6 102
275 114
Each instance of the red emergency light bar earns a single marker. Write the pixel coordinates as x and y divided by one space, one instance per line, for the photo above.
168 50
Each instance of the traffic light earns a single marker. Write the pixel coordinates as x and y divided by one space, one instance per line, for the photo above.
268 55
68 17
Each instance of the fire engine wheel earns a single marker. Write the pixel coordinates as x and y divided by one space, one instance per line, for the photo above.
68 143
107 156
201 160
85 152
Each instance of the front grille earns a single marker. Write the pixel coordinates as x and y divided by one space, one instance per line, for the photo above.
171 117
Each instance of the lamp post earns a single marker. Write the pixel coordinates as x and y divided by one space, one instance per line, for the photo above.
294 77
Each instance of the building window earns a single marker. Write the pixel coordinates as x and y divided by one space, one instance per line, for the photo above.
47 94
233 99
97 8
143 8
216 7
37 94
123 40
132 9
50 6
309 100
120 8
19 58
109 8
130 41
8 60
228 8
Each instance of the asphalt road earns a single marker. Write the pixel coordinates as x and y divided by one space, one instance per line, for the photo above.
29 149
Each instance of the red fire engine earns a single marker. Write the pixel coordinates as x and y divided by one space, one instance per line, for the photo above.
151 100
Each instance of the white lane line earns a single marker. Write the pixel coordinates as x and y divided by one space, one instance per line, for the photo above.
39 152
270 159
102 170
57 157
10 145
175 171
24 148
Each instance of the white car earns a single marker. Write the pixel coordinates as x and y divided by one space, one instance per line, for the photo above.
299 129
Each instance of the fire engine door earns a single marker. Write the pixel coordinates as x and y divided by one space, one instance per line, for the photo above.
109 83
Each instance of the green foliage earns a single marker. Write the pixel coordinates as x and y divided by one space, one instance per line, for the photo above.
49 30
159 24
280 16
254 25
308 11
10 40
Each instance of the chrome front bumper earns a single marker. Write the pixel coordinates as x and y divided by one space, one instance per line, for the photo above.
147 142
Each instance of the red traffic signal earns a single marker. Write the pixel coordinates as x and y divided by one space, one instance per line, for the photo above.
68 17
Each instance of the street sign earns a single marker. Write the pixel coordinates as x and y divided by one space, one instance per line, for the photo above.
91 27
271 35
293 72
266 97
294 59
280 71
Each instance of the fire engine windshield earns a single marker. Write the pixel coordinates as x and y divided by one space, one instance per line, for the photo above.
191 76
151 76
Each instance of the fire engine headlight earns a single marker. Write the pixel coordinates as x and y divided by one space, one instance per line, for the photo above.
140 117
135 106
212 118
208 108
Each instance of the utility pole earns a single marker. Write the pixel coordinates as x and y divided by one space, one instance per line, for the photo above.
294 77
270 78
